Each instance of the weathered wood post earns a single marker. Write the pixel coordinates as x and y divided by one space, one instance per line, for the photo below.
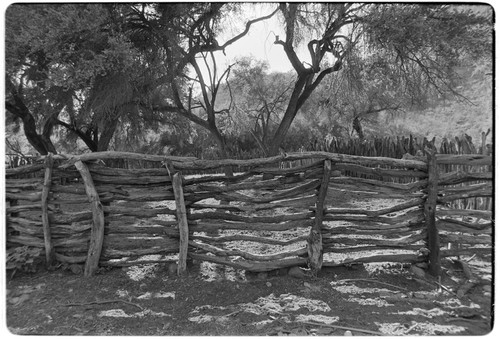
430 214
180 207
97 231
315 241
47 238
484 149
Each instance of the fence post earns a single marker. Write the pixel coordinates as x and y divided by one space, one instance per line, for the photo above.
430 214
180 207
315 241
97 231
47 238
182 221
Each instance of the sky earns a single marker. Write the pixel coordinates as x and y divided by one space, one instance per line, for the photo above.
259 41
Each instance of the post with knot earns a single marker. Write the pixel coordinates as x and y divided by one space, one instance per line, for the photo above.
315 240
182 222
97 230
430 214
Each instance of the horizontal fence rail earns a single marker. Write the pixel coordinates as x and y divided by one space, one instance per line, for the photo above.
329 210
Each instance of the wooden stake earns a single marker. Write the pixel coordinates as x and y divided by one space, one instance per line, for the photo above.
315 242
97 231
182 222
49 248
430 214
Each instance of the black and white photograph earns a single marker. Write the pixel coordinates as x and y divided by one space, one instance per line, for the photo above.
248 168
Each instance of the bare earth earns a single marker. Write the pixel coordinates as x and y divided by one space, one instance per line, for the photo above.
215 300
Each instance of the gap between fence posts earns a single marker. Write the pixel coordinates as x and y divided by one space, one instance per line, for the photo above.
47 238
430 214
315 241
180 208
97 231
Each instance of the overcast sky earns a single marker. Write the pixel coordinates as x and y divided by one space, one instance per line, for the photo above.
259 42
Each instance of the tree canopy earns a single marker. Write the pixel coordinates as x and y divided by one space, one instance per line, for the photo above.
72 65
103 73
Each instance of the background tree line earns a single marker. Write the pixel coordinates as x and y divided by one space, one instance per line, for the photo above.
149 77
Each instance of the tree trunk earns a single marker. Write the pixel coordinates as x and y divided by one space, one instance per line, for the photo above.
228 170
290 113
106 135
356 125
304 86
42 144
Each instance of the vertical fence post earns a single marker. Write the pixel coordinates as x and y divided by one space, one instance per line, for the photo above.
97 231
183 223
430 214
315 241
180 207
47 238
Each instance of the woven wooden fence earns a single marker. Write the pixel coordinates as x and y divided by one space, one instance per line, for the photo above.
396 147
263 218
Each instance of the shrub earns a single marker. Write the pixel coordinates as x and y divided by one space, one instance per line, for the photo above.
24 258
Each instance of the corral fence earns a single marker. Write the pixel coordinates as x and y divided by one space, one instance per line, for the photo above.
14 160
262 218
396 147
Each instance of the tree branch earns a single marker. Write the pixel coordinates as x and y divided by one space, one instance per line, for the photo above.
247 28
86 137
292 57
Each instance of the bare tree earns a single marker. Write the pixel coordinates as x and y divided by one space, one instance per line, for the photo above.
191 42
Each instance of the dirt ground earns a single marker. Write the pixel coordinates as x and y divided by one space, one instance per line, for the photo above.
215 300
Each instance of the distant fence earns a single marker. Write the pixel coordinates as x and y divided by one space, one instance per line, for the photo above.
262 218
399 146
13 160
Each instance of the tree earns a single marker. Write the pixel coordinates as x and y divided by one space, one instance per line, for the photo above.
422 42
357 94
94 69
258 99
187 40
71 65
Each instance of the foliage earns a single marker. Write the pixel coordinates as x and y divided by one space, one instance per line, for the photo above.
448 118
24 258
119 76
187 40
427 42
72 65
392 66
258 98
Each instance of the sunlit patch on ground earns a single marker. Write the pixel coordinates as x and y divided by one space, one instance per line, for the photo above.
119 313
213 272
349 288
374 269
319 318
122 293
419 328
149 295
457 304
435 312
268 306
370 302
353 289
205 318
290 303
138 273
